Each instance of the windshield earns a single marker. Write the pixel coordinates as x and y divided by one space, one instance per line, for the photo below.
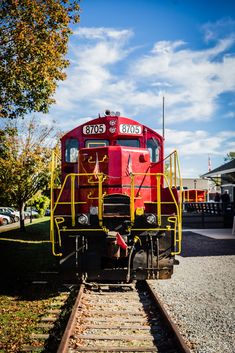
71 150
128 143
96 143
154 149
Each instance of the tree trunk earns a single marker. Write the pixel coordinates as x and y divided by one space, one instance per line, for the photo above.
22 225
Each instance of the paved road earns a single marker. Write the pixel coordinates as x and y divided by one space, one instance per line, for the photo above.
221 233
10 226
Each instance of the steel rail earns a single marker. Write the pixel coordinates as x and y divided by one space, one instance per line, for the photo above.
63 347
168 320
177 340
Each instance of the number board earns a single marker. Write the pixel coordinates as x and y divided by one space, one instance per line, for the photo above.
130 129
94 129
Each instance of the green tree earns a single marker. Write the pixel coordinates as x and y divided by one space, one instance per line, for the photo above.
33 42
230 156
39 202
24 163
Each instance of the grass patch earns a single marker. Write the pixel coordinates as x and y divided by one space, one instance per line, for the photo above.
27 252
37 230
19 317
18 320
23 256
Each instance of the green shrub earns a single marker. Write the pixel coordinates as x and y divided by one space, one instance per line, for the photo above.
40 203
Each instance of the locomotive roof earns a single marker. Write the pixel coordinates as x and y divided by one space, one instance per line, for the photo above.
99 120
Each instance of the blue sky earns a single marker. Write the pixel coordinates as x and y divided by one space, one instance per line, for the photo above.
126 54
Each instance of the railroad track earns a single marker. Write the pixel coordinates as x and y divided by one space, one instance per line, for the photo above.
123 319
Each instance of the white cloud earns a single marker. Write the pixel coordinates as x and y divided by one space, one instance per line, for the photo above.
198 143
104 74
214 30
89 78
227 134
103 33
194 148
165 47
230 115
195 79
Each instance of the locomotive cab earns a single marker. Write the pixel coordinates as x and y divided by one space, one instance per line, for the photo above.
116 215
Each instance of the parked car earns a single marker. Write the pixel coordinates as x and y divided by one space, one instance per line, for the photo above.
26 214
15 215
15 212
9 214
47 212
31 212
5 219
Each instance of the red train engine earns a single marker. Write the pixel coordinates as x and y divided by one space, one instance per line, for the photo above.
116 216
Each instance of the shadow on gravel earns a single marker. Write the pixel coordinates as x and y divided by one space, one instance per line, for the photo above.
199 245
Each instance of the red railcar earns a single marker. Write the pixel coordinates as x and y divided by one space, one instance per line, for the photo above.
116 216
194 195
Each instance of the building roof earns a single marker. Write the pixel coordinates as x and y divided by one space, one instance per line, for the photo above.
223 169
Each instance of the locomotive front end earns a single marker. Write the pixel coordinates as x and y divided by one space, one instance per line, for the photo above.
117 215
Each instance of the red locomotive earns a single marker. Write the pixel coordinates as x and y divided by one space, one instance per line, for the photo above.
116 216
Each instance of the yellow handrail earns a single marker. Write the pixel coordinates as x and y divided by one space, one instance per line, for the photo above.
170 180
90 160
52 195
73 199
132 199
158 176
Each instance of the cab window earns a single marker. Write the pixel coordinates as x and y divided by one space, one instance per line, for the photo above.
71 150
154 149
96 143
128 143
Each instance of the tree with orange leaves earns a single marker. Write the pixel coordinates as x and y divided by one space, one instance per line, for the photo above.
33 43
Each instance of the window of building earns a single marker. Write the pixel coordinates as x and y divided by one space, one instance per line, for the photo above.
96 143
71 150
154 149
128 143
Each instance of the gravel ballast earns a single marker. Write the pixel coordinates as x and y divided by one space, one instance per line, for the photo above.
200 296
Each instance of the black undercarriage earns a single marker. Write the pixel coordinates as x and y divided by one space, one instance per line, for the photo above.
96 256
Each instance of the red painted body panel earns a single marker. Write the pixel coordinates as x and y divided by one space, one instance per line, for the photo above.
78 134
116 168
114 161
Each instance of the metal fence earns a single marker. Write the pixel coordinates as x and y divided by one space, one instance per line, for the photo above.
208 214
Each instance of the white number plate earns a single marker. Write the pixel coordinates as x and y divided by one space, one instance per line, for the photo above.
94 129
130 129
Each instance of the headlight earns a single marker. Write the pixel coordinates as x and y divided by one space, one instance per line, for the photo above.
151 218
93 210
83 219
